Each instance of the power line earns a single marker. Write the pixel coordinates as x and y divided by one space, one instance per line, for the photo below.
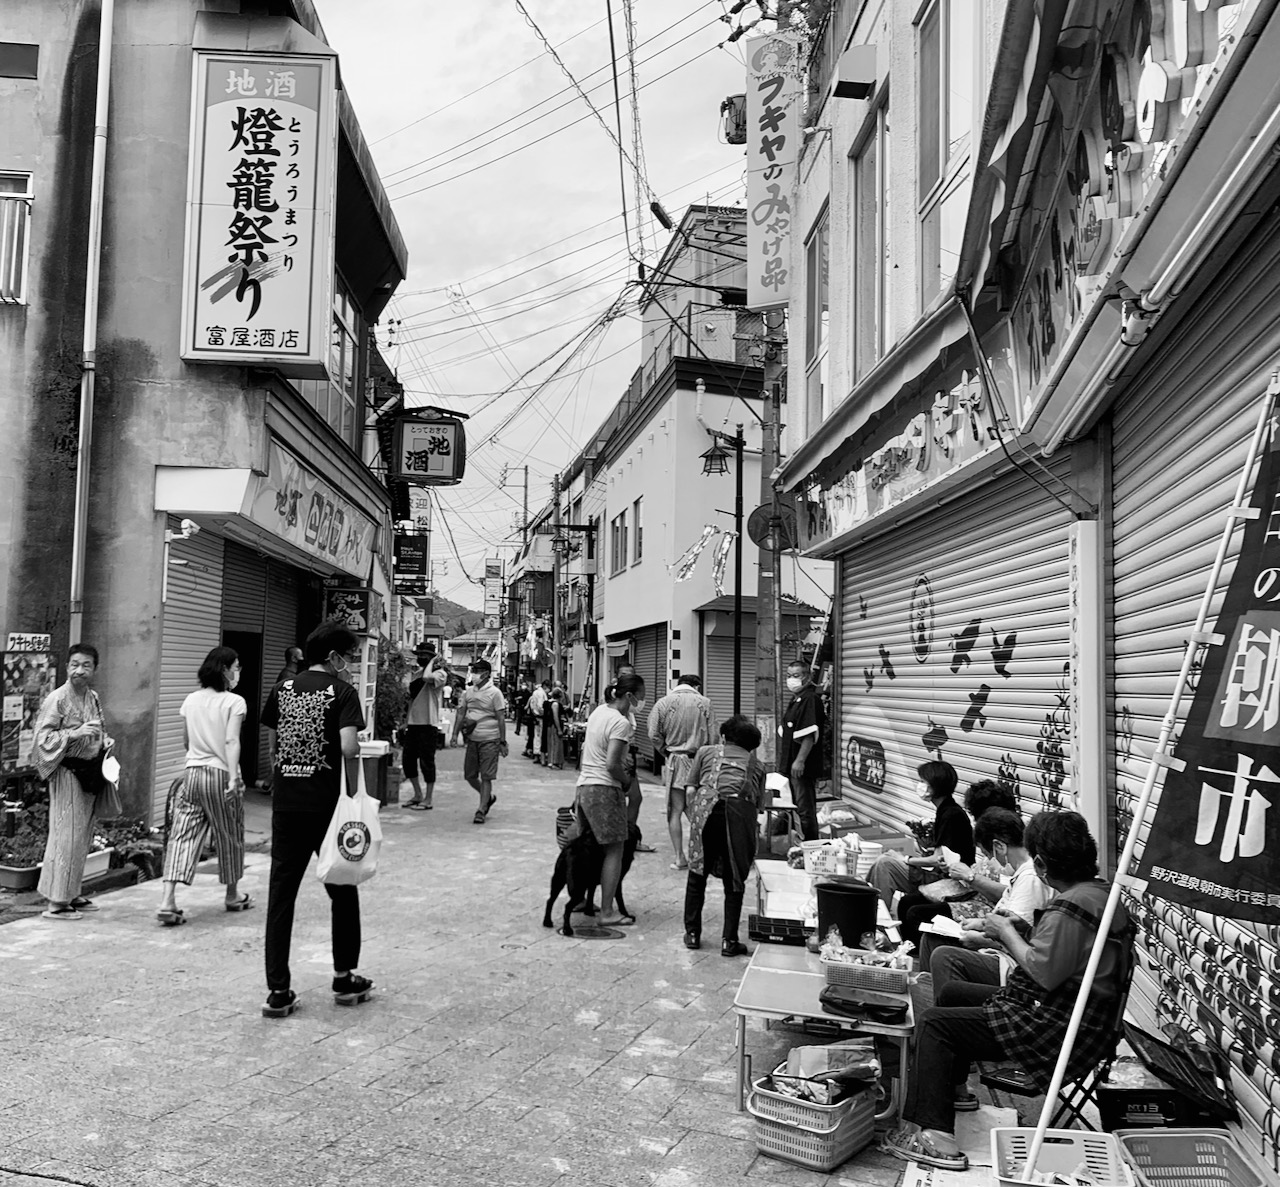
617 111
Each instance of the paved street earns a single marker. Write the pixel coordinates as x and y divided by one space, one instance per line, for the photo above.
494 1051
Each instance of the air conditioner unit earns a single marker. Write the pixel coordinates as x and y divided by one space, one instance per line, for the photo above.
588 566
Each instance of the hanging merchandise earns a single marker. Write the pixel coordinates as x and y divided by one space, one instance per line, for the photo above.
684 566
721 560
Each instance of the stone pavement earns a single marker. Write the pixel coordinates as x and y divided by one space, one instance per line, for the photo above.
493 1052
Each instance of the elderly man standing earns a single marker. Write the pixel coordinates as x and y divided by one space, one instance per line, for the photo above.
680 724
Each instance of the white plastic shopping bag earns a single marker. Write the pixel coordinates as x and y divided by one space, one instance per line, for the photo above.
349 852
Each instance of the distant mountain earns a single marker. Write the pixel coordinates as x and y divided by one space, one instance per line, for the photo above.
458 620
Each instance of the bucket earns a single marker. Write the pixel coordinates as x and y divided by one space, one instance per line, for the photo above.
868 853
849 906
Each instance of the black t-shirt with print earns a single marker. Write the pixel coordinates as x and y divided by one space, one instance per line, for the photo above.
804 717
307 713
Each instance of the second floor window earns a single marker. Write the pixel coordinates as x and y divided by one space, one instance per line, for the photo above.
817 258
637 526
337 399
618 543
950 72
15 215
870 256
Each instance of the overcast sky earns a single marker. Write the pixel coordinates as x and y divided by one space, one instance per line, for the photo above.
507 189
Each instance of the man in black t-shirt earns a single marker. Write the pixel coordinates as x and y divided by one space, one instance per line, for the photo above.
316 716
800 755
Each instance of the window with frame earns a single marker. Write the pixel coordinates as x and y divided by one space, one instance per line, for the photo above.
869 190
15 218
618 543
337 399
950 73
817 259
637 528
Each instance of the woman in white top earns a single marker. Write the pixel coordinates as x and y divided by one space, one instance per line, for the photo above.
212 792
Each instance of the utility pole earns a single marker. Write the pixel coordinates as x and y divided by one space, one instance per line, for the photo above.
768 698
524 522
555 579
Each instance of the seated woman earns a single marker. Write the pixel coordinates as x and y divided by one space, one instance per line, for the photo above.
1027 1019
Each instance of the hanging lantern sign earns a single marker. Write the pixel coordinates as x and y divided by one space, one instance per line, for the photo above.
429 451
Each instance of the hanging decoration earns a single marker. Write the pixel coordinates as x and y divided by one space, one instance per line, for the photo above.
688 560
721 560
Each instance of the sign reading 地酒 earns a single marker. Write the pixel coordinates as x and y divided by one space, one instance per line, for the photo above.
1214 842
429 451
258 270
774 94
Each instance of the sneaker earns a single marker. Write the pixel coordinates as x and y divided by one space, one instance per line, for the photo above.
692 940
351 990
280 1003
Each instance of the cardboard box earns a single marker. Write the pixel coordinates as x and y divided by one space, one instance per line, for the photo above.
1134 1097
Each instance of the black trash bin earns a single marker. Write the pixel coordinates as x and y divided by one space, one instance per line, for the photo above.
848 905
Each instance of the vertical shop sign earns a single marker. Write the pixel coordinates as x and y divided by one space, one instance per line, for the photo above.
29 677
1214 843
774 90
258 266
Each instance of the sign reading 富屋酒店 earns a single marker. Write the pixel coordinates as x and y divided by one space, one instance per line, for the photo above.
258 268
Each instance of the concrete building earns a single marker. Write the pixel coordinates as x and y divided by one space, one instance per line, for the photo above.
1035 277
234 399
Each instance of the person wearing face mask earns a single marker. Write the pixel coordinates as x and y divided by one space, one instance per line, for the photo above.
1027 1019
316 716
481 717
799 753
211 795
70 744
951 829
602 781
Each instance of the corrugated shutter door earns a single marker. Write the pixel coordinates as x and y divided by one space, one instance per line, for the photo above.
191 629
1179 442
954 640
245 590
717 679
280 620
649 649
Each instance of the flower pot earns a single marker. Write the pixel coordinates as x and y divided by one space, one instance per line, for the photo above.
19 877
97 862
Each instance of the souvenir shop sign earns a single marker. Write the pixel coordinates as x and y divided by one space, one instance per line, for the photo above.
305 511
258 264
429 451
1214 842
954 429
775 72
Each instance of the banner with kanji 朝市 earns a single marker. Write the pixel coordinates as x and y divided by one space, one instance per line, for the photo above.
1214 842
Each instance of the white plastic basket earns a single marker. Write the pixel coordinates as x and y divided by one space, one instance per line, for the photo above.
1062 1152
863 975
820 1137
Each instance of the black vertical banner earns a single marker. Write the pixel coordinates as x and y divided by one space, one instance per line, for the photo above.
1214 842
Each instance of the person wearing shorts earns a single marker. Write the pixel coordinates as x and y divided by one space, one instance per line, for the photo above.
482 717
421 731
602 781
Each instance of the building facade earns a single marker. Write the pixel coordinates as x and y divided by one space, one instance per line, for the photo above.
228 490
1038 346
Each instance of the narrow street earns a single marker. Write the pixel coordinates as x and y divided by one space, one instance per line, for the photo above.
493 1052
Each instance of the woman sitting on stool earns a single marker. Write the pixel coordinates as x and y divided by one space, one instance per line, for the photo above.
1026 1020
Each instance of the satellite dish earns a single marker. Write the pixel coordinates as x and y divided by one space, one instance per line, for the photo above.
758 525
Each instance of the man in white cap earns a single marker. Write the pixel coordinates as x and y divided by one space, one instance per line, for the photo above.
421 734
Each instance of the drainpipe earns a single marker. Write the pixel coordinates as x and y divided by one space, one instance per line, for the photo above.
88 363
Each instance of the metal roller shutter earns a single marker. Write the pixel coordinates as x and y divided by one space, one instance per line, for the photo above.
191 629
1179 441
245 593
954 641
717 677
280 631
649 649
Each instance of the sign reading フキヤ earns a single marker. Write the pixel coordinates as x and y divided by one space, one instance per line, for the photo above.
258 270
1214 842
774 93
429 451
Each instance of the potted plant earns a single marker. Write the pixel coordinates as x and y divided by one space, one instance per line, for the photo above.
22 853
131 842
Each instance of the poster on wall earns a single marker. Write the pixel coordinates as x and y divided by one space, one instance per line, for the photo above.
30 675
258 262
1214 841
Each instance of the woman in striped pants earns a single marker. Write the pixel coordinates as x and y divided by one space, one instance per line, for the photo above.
212 792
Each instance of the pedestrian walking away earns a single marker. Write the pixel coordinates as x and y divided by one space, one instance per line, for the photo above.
680 724
422 730
70 745
555 739
799 753
533 715
481 718
317 716
211 794
292 661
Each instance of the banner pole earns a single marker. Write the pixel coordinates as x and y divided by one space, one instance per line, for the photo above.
1158 758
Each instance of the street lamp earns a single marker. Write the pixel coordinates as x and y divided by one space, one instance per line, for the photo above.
716 461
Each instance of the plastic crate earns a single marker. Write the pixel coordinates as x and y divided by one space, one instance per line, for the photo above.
866 976
1186 1158
769 930
819 1137
1063 1150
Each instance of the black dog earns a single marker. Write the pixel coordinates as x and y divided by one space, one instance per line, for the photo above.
578 868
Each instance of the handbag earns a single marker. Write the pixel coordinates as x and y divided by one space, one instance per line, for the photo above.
349 851
107 804
863 1003
88 772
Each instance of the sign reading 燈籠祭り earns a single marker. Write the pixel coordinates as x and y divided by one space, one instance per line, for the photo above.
774 94
258 269
1214 842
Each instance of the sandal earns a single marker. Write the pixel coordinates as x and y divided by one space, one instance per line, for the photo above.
493 799
418 807
174 918
83 904
478 818
65 913
244 903
280 1003
919 1146
965 1102
411 804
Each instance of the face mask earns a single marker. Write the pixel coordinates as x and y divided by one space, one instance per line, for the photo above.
233 677
640 704
794 683
338 659
924 791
